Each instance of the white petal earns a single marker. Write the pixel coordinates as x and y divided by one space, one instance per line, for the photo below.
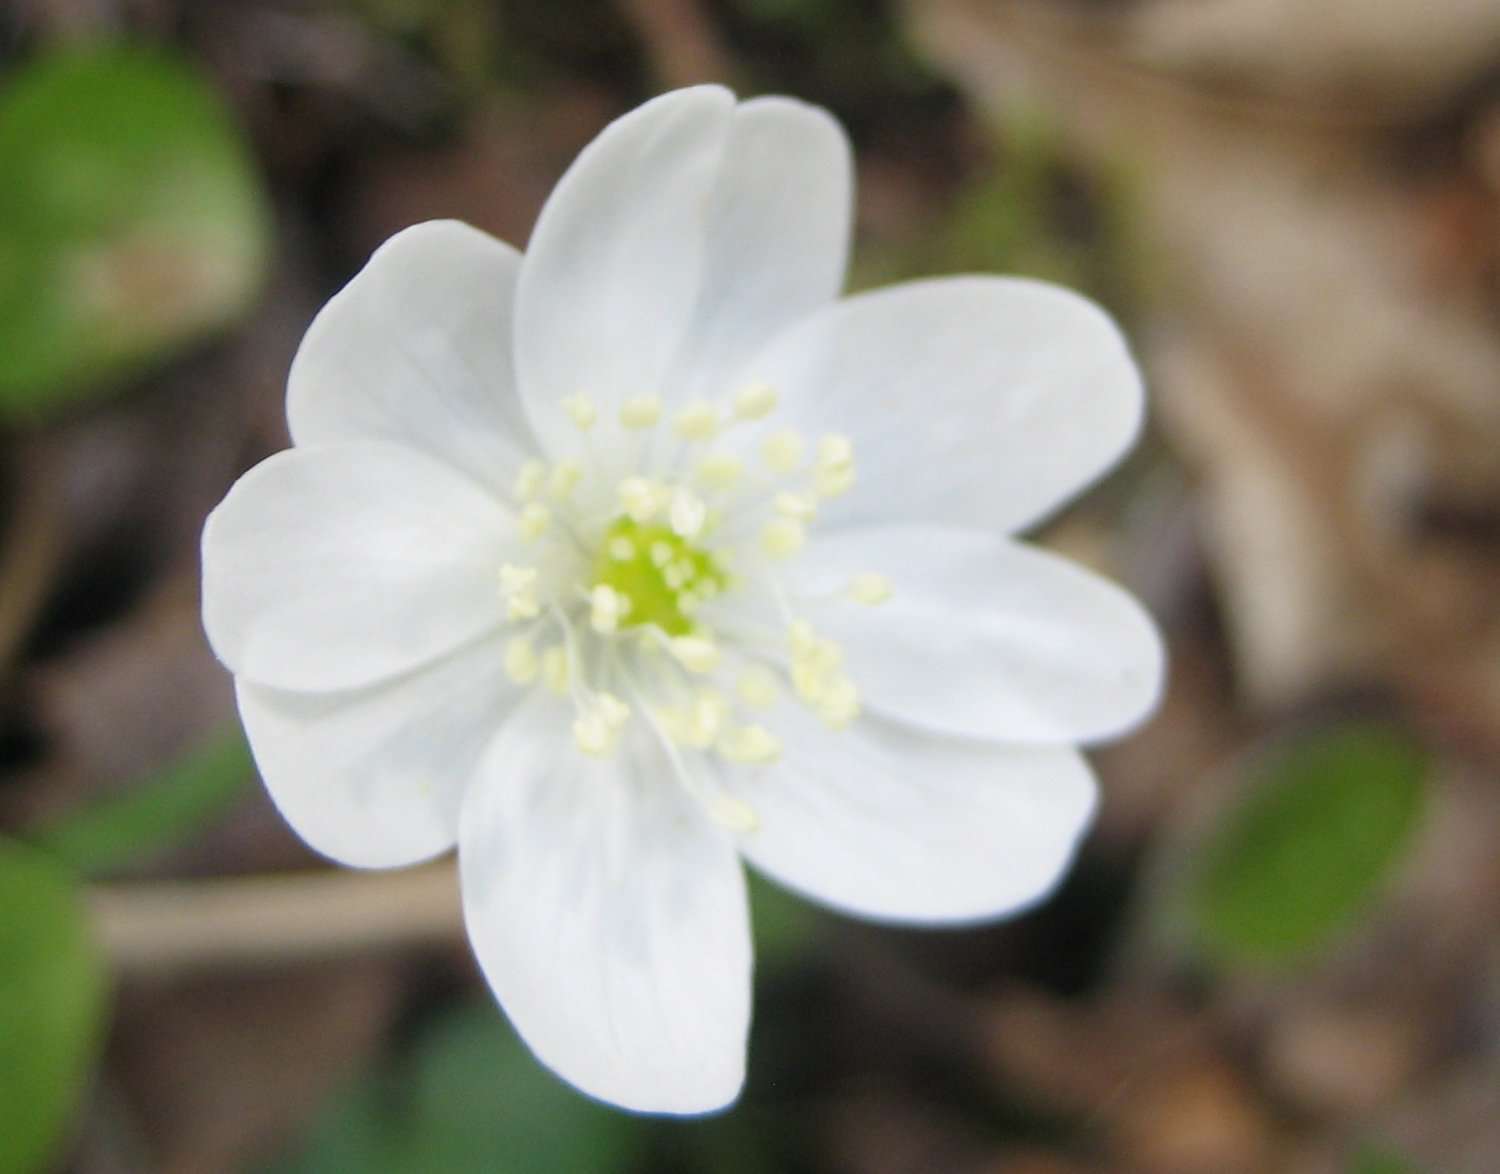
980 401
338 566
611 275
778 237
375 777
609 917
984 637
890 823
416 350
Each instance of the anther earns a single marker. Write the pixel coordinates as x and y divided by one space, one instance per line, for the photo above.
641 411
697 654
869 588
621 549
757 688
783 451
607 607
698 421
555 671
565 478
797 506
535 518
518 587
640 498
581 410
521 663
687 513
753 745
834 473
530 480
755 401
782 537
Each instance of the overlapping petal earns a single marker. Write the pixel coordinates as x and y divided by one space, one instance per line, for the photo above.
776 239
972 401
895 824
416 350
375 777
984 637
335 566
609 917
610 281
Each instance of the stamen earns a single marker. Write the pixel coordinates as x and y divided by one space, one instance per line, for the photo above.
642 411
870 589
797 506
783 451
555 672
834 473
521 663
757 688
697 654
621 549
535 518
518 587
755 401
641 498
530 480
565 478
582 411
607 608
753 745
782 537
597 730
720 470
698 421
687 514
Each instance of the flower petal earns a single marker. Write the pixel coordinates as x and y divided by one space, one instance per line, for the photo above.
338 566
611 275
984 637
416 350
886 822
976 401
609 917
778 237
374 777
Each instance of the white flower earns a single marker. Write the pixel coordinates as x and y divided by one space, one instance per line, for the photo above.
643 553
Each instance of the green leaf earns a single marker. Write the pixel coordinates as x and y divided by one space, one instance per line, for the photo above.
132 222
784 924
52 996
159 813
1380 1160
469 1098
1324 819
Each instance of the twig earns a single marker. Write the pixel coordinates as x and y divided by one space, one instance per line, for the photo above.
680 40
157 929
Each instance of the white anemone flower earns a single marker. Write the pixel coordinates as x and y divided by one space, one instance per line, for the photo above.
645 553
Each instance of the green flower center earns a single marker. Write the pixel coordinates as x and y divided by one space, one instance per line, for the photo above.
663 575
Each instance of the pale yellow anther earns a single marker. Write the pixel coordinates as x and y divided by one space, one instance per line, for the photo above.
661 554
518 588
641 498
783 451
687 513
582 411
521 662
698 723
641 411
839 703
607 607
621 549
834 473
530 480
534 520
757 688
797 506
698 421
733 814
782 537
697 654
719 470
688 602
597 730
676 575
565 478
755 401
869 588
818 679
753 745
555 671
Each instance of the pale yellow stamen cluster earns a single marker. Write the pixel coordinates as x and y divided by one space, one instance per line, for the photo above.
518 589
818 676
597 729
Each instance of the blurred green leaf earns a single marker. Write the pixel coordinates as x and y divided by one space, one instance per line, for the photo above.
470 1098
52 993
161 812
1324 819
132 222
784 923
1380 1160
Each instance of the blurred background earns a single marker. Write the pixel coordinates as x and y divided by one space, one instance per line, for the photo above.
1278 950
